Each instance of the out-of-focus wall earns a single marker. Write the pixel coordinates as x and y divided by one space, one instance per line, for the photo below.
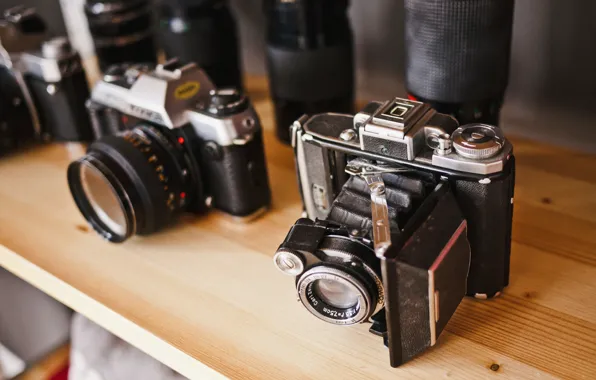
49 9
552 91
552 87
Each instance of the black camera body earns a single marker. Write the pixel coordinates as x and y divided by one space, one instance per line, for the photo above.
169 142
203 32
423 205
43 84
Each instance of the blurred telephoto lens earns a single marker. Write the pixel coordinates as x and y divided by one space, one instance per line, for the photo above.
457 56
203 32
122 31
309 59
135 183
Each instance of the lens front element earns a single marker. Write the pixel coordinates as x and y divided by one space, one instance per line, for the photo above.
336 293
103 199
335 296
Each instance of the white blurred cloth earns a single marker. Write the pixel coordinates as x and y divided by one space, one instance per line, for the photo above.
10 364
96 354
77 27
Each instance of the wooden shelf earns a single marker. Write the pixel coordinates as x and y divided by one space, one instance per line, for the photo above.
205 299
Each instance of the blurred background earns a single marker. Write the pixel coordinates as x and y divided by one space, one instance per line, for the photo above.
552 88
551 98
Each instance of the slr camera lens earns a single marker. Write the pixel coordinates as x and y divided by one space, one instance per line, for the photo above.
133 183
122 31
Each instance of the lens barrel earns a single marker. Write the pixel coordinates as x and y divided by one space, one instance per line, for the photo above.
345 287
146 169
122 31
309 58
203 32
457 55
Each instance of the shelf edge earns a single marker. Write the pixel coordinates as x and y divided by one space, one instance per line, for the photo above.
118 325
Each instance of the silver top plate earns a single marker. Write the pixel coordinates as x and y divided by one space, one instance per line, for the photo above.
162 96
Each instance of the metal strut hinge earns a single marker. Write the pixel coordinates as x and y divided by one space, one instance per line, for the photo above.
371 173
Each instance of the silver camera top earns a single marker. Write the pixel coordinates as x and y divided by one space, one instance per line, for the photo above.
161 96
26 47
394 119
21 30
55 60
413 131
174 95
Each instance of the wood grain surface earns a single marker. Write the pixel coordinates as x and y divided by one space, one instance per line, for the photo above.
204 297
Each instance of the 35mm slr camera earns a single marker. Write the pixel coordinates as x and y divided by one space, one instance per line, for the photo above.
42 84
408 212
169 142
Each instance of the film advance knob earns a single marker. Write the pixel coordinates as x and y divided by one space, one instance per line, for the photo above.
478 141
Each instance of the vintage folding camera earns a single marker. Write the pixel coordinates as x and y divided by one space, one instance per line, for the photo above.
43 87
408 212
168 142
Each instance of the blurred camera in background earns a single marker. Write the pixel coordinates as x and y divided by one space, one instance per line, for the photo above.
42 84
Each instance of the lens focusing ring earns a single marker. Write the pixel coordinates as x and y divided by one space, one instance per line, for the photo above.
145 167
328 313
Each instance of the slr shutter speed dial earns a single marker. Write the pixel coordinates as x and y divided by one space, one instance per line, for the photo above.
478 141
226 102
